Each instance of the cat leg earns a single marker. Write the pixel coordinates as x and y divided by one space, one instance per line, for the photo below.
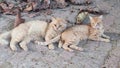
99 39
105 36
60 44
104 40
65 46
24 43
13 45
76 47
50 46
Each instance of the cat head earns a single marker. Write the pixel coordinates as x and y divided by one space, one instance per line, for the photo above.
96 21
59 24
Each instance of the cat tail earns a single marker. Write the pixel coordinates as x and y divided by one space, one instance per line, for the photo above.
57 38
4 37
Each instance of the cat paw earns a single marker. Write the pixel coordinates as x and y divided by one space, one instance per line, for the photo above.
107 40
80 49
13 48
70 50
24 47
51 47
107 37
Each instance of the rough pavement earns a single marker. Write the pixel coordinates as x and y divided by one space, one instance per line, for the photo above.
96 54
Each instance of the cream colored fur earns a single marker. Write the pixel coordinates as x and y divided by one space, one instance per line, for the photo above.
33 30
26 32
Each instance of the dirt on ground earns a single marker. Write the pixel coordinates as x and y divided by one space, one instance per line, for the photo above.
95 55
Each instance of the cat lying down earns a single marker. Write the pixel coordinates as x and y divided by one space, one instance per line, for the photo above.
32 31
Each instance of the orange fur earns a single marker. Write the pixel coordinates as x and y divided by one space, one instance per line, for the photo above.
95 31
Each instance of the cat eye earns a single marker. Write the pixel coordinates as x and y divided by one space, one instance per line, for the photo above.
98 23
60 25
55 25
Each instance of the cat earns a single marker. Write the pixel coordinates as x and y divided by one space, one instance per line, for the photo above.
72 36
33 31
54 30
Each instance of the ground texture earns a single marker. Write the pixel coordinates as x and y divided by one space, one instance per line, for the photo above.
96 54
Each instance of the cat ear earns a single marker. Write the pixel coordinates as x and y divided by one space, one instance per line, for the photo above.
53 18
58 19
101 17
90 18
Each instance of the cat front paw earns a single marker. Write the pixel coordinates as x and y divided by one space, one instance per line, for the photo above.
51 47
107 40
24 47
105 36
13 48
80 49
69 49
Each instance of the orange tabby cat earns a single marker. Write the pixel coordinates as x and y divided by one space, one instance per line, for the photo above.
95 31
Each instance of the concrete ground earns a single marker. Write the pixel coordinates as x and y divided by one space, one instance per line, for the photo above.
96 54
